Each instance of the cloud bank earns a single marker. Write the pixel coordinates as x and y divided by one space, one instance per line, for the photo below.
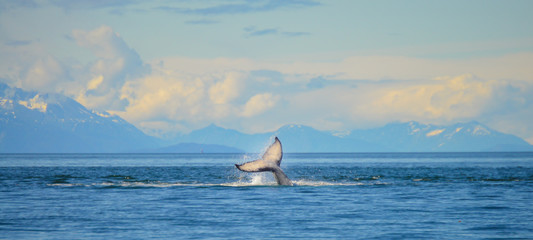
238 93
172 95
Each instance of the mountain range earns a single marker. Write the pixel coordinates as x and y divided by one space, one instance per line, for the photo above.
32 122
394 137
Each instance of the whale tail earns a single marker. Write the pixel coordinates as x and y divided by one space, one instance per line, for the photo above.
270 161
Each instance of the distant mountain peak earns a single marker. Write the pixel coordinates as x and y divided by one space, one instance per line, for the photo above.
293 127
36 122
214 126
479 130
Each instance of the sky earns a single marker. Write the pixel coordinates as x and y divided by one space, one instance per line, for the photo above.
170 67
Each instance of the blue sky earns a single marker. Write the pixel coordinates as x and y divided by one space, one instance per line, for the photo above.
175 66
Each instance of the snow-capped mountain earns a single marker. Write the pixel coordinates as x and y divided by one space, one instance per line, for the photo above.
460 137
53 123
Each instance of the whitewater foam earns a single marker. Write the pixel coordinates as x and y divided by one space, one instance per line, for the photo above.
242 180
256 181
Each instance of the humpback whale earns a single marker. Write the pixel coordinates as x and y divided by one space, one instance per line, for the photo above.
270 161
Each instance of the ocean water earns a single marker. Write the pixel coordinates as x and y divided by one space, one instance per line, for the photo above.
203 196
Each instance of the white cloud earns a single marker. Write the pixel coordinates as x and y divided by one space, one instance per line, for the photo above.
158 97
177 98
408 68
45 75
441 100
103 42
373 68
226 90
95 82
116 64
259 104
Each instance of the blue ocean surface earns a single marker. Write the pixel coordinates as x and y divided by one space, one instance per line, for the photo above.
203 196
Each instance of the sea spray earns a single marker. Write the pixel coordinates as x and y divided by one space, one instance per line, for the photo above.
262 178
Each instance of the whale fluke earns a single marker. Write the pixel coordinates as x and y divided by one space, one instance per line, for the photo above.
270 161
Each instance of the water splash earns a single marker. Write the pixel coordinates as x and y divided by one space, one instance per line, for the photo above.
310 183
262 179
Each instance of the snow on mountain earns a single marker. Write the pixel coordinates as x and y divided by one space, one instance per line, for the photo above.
460 137
37 102
36 122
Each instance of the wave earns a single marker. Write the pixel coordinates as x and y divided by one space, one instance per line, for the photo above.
229 184
257 180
